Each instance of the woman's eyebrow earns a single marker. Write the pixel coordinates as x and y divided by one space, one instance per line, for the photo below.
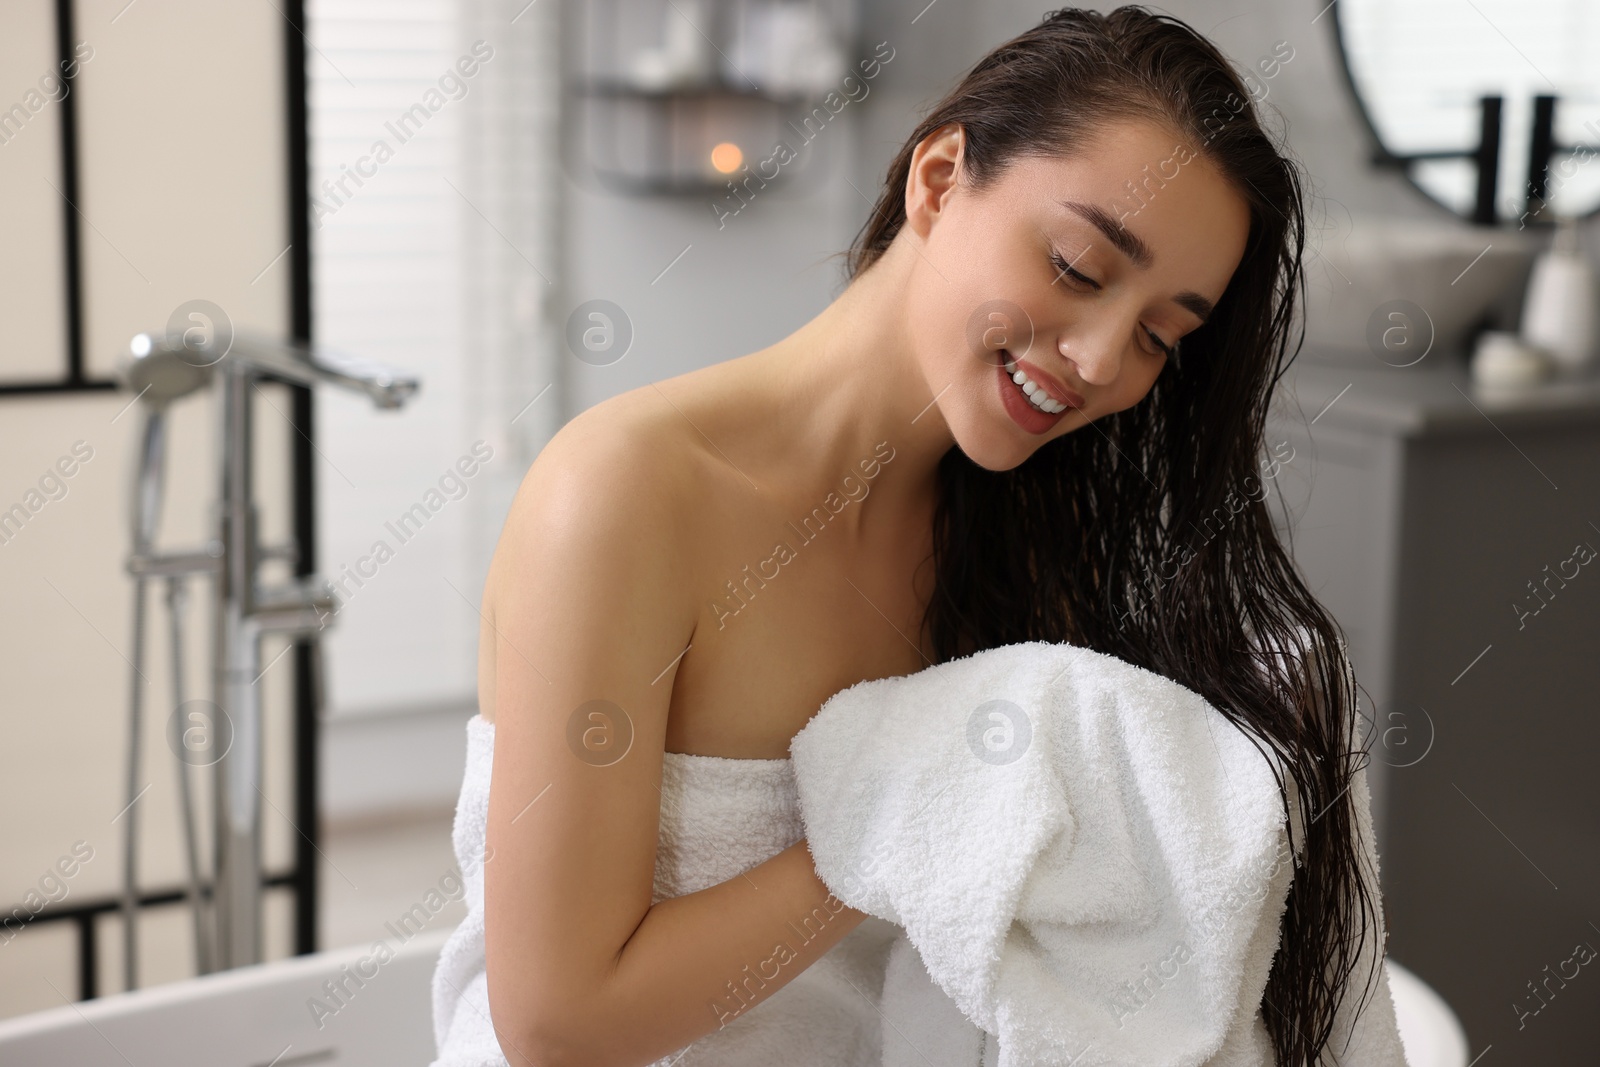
1124 239
1130 245
1193 301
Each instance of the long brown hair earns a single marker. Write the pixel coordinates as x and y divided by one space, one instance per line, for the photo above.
1096 539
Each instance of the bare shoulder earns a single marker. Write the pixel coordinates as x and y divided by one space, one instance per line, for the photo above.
622 453
621 477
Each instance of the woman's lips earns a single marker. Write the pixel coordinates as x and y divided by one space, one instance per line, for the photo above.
1023 413
1052 387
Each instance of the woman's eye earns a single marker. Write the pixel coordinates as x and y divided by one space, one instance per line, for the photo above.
1161 346
1063 268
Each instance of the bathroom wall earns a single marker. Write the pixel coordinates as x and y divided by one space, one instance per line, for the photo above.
700 285
435 244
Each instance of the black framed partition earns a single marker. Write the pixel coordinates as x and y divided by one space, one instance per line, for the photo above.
75 375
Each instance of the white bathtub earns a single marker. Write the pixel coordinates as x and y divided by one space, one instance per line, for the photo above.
256 1016
248 1017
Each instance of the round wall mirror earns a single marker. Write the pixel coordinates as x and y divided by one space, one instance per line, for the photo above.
1490 107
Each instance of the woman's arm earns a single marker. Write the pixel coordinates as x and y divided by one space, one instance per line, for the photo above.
589 599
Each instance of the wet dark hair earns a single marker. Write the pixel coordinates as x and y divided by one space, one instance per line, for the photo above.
1096 539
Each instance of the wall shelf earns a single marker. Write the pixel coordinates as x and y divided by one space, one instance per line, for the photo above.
690 98
612 87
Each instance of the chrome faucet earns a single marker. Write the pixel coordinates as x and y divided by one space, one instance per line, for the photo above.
161 368
304 365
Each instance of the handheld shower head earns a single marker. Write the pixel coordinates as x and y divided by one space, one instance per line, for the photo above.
160 372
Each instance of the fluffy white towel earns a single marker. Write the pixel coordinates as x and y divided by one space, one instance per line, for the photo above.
1088 860
462 1031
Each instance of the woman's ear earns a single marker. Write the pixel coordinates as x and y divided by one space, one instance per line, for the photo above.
935 170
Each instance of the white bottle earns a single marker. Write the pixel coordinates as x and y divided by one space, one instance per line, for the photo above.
1559 314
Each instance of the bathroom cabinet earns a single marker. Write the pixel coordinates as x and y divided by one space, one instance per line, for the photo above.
1446 530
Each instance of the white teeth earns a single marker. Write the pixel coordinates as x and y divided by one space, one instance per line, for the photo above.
1035 393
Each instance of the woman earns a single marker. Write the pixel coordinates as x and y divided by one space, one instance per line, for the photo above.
1035 413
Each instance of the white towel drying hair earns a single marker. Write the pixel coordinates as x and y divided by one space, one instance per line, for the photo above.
1088 860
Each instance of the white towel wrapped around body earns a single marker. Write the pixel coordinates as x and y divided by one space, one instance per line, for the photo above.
718 817
1089 861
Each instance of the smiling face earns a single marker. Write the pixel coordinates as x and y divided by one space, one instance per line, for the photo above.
1034 275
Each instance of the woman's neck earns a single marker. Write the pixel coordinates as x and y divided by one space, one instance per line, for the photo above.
846 383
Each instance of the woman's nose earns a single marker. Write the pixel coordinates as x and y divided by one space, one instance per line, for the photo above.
1093 355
